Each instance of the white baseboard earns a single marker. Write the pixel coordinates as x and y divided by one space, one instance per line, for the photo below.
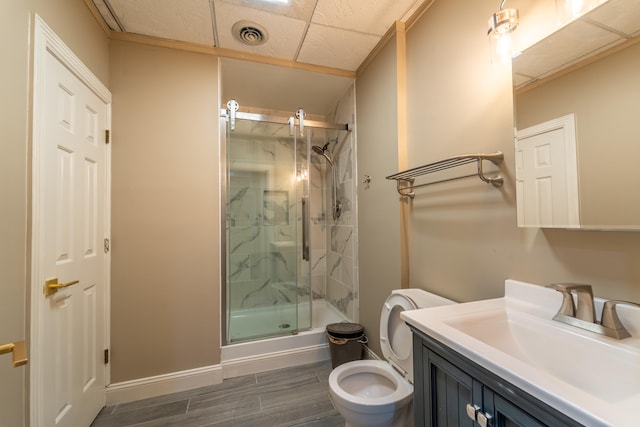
276 360
143 388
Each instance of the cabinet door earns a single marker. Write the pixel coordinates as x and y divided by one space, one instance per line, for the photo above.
448 390
506 414
446 383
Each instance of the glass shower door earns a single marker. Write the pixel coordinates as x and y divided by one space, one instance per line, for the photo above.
265 192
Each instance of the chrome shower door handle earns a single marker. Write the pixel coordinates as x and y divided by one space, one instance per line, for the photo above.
305 228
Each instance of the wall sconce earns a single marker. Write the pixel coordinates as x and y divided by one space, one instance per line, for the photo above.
501 25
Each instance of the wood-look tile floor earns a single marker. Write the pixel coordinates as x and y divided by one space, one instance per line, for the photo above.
297 396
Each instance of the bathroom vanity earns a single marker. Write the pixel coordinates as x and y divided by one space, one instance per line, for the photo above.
452 390
504 361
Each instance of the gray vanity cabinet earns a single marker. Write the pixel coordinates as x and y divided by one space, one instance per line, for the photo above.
447 385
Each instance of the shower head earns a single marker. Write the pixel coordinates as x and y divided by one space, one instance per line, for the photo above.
323 151
336 208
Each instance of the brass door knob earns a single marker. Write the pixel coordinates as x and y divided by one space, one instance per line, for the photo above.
19 350
51 286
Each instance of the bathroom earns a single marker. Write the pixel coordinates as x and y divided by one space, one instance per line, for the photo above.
165 281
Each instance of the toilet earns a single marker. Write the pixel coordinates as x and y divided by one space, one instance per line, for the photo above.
371 393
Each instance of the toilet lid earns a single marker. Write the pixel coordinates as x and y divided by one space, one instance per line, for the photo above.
396 339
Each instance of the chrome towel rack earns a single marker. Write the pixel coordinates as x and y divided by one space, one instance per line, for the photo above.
405 180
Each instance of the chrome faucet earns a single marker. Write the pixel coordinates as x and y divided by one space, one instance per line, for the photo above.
584 316
585 309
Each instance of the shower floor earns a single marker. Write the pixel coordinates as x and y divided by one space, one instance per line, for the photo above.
249 324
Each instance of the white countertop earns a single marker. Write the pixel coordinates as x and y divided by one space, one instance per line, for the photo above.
594 379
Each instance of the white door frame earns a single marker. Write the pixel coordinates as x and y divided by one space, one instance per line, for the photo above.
45 40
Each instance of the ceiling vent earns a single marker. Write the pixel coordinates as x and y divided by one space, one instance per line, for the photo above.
249 33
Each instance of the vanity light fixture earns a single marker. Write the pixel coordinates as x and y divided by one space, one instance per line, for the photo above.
501 25
574 8
503 22
569 10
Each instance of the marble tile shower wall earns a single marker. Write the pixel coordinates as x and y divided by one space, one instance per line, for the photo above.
341 258
318 218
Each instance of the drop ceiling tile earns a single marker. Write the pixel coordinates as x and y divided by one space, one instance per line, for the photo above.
296 9
284 34
366 16
564 47
184 20
334 47
620 15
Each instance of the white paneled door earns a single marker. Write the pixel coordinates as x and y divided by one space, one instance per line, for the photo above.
71 253
546 175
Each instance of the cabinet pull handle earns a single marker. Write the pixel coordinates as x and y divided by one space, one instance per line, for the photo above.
483 419
472 411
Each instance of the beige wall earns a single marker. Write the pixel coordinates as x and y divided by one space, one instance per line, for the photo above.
463 237
13 193
378 211
462 233
71 20
464 241
165 282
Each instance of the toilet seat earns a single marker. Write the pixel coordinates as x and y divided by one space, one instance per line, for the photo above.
403 391
396 339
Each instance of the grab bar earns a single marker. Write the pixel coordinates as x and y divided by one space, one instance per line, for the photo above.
305 228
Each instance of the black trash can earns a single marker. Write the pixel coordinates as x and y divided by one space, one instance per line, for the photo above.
345 342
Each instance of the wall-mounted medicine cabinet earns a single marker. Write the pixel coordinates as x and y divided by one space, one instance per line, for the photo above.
586 71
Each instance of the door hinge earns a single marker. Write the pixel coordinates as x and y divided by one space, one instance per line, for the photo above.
106 356
107 136
107 246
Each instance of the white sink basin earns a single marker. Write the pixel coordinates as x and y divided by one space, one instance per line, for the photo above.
591 378
592 365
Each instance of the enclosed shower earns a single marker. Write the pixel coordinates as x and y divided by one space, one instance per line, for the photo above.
270 166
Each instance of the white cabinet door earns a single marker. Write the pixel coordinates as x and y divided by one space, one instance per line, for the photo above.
547 175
